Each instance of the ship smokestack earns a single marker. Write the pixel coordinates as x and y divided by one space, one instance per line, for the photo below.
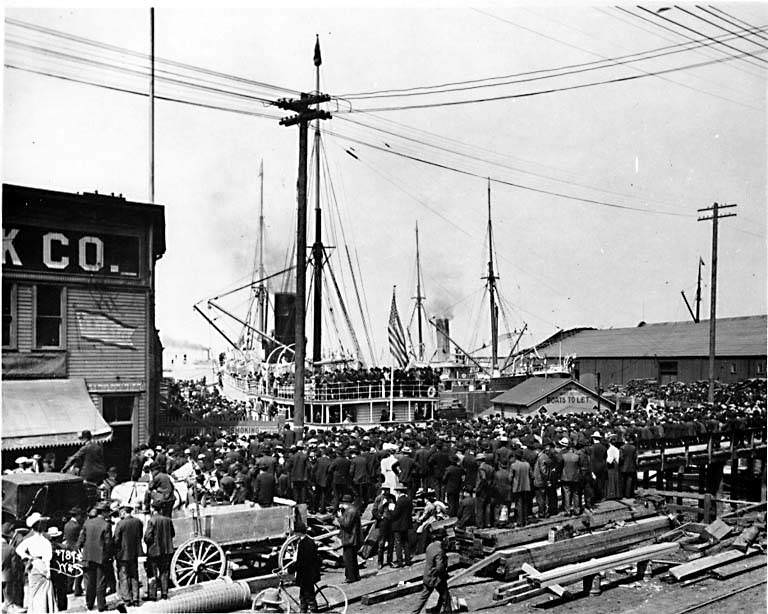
443 340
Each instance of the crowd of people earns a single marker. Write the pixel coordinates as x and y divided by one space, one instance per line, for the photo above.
491 471
198 399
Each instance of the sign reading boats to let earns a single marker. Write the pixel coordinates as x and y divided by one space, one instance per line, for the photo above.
570 399
68 251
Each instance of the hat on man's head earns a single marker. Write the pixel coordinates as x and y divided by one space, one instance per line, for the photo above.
346 499
33 519
53 532
22 460
597 435
86 434
564 441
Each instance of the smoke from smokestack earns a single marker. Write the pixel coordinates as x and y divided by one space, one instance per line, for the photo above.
443 352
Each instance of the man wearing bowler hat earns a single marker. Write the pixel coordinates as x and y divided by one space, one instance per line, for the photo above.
402 522
96 543
91 457
128 534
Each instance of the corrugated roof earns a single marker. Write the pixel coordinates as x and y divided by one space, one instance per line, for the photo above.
742 336
531 390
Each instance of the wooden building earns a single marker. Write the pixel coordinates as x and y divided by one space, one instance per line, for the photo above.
80 347
665 352
549 395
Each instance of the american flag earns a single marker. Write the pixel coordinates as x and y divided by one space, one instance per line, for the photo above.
396 336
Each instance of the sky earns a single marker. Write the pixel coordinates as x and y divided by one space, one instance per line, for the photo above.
597 168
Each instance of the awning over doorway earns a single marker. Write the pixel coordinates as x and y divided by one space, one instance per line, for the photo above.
46 413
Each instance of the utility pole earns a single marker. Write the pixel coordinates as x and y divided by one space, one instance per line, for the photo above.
492 292
419 299
716 215
318 253
304 115
152 104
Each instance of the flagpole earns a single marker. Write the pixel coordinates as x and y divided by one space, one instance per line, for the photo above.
392 377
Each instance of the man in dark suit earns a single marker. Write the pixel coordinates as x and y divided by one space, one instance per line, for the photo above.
339 469
361 479
452 481
321 480
402 521
299 474
628 467
72 529
599 454
307 568
466 514
91 457
160 490
158 536
96 543
264 488
351 535
128 534
407 471
435 575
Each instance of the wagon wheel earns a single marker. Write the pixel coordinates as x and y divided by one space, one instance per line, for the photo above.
198 559
288 552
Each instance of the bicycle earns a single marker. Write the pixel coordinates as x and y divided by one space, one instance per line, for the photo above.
330 598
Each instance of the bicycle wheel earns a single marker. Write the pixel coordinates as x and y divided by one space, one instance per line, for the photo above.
331 599
271 600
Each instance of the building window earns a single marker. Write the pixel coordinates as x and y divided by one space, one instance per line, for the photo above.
733 368
9 315
667 371
49 320
117 408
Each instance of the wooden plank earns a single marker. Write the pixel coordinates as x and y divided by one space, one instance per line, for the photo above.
717 530
568 574
688 495
545 555
473 569
391 593
739 567
692 568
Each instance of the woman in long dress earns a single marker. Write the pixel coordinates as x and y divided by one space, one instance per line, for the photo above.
36 552
612 485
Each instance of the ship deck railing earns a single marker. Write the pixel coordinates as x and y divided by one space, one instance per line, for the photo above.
338 392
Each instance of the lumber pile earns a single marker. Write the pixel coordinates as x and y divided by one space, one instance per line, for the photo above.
534 582
545 555
475 544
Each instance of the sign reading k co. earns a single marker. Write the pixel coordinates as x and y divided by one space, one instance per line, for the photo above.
68 251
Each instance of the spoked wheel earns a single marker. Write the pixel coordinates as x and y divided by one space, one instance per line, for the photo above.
288 552
271 600
198 559
331 599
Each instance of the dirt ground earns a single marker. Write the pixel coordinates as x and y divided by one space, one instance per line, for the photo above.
620 595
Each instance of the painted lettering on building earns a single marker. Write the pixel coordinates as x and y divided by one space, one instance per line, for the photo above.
72 252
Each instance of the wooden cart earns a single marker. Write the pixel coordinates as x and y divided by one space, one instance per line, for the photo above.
242 534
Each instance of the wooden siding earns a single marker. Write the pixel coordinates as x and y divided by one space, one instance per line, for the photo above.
106 335
621 370
24 314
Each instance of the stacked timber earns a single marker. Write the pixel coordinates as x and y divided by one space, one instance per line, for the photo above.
476 544
545 555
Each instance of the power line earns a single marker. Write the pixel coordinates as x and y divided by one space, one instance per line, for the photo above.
508 183
140 93
699 17
541 92
697 33
98 63
91 42
752 31
719 10
655 29
571 69
479 159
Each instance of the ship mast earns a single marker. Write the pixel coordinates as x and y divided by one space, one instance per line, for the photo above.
492 292
419 299
318 253
262 293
